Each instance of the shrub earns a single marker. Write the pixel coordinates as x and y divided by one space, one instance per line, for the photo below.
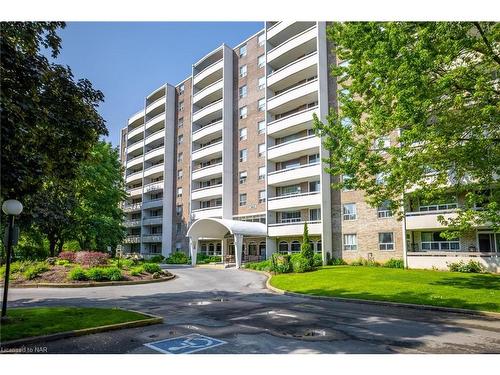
394 263
123 264
96 274
306 247
300 263
338 262
365 262
469 267
35 270
70 256
265 265
280 263
157 259
318 260
61 262
205 259
91 258
136 271
77 273
112 274
177 258
151 267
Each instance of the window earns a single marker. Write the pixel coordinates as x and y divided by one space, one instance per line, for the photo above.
262 196
434 241
384 210
262 173
350 242
243 199
181 88
179 174
318 246
180 123
243 134
262 149
261 61
313 186
283 247
315 214
181 106
211 248
314 158
178 246
180 139
243 50
243 177
261 39
178 228
349 211
203 248
252 248
261 106
243 91
295 247
179 192
290 217
179 157
386 241
261 83
262 249
243 71
261 127
178 209
243 112
243 155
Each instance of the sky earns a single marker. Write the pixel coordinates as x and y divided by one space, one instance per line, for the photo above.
128 60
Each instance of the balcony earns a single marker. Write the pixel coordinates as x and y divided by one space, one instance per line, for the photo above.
209 94
135 161
153 220
301 173
154 186
298 147
132 239
136 176
208 192
156 120
292 123
153 203
428 219
208 152
295 201
155 104
209 113
135 146
283 30
209 75
135 192
293 48
208 132
132 207
148 238
160 150
294 97
207 173
136 118
132 223
296 71
207 212
293 229
158 168
159 134
135 132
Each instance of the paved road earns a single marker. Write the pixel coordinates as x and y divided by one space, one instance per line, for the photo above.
235 306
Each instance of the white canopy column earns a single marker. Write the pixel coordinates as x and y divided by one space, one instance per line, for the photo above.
238 249
193 248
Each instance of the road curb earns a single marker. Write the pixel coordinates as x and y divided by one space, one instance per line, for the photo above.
153 319
93 284
488 314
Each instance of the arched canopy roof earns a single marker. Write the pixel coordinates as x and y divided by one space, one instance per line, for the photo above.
218 228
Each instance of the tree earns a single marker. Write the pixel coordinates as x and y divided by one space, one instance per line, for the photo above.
306 249
430 89
49 120
99 190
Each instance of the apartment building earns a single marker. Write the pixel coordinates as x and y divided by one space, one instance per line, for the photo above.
226 162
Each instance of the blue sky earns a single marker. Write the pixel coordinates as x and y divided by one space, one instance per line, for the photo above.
128 60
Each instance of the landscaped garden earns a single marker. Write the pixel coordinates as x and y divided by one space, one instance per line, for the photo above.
29 322
83 267
476 291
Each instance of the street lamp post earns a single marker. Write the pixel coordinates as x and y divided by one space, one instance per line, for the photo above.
11 208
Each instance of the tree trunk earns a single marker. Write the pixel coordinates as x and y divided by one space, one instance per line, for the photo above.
60 244
52 245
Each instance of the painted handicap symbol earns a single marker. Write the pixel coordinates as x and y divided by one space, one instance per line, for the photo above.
191 343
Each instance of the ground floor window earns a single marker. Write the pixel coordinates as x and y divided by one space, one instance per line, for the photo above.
295 247
488 242
350 242
262 249
252 248
386 241
318 247
218 249
434 241
211 249
283 247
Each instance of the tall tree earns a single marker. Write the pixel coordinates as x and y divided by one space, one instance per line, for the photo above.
99 189
433 89
49 120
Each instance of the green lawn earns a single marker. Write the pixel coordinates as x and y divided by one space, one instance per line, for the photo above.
28 322
426 287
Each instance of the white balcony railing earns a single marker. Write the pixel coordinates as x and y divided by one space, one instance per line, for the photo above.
299 147
206 172
296 201
295 228
152 238
132 207
306 172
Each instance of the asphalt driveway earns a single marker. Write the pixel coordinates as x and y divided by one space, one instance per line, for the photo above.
234 306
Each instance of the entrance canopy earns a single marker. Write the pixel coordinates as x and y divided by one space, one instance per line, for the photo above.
218 228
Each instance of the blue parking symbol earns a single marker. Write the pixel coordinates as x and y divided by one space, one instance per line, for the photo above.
191 343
